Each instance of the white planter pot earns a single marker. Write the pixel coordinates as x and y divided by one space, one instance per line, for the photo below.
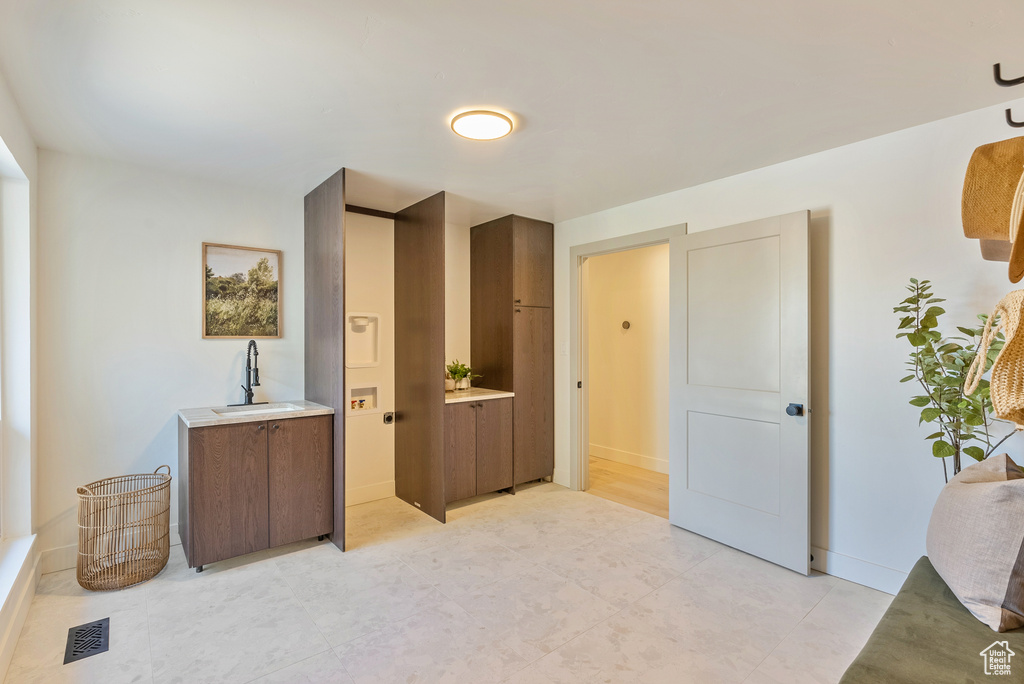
462 384
449 385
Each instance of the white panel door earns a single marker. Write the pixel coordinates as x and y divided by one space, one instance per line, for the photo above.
738 461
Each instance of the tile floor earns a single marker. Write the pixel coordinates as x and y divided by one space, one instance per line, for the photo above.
547 586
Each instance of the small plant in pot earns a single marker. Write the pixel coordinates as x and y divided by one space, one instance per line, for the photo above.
461 374
938 365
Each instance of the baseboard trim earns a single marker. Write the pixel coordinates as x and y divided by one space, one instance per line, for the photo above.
858 571
19 569
66 557
658 465
367 493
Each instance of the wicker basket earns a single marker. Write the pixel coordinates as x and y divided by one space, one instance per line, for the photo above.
123 529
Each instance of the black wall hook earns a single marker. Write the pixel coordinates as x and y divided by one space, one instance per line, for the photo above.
1006 83
1010 120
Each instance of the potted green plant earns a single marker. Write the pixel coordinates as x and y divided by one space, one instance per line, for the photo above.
939 365
461 374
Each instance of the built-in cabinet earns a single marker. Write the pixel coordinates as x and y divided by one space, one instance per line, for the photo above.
512 330
245 487
442 453
478 447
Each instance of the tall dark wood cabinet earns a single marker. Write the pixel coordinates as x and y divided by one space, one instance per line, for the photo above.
512 330
324 352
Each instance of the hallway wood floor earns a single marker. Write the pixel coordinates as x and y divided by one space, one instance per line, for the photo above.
638 488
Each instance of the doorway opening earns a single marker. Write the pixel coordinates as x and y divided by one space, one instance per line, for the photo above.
627 348
620 300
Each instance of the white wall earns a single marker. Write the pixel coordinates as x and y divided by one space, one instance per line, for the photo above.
456 293
120 337
370 287
628 367
882 210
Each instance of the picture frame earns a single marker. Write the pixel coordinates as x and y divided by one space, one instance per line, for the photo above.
241 292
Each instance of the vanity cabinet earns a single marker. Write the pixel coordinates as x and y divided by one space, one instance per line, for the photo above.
244 487
478 448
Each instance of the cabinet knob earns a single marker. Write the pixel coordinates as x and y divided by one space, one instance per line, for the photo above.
519 310
274 427
519 301
261 427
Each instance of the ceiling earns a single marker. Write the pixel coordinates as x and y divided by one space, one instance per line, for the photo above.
614 101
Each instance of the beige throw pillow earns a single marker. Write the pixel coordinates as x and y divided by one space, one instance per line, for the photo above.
976 540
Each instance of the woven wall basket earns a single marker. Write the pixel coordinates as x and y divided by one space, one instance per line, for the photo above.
123 529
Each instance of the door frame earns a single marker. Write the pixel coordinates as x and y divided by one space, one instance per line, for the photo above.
579 407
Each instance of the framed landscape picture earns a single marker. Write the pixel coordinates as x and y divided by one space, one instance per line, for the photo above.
241 292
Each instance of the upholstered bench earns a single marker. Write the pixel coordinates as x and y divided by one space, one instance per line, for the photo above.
927 635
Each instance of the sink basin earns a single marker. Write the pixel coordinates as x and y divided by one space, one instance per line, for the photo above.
255 410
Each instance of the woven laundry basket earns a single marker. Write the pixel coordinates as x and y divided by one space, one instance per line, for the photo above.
123 529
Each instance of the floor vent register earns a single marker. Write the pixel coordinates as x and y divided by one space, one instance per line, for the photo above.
87 640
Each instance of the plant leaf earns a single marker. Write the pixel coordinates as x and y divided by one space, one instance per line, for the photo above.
942 449
975 452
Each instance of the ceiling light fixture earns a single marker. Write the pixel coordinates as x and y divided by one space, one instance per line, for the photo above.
482 124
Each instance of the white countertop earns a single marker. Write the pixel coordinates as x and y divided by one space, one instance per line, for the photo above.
227 415
475 394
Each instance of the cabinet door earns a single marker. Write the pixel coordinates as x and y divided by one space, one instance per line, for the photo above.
460 451
301 478
533 249
493 445
228 491
533 415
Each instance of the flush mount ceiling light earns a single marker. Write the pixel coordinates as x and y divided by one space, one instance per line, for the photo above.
481 124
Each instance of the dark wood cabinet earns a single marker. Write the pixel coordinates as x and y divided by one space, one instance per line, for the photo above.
478 454
244 487
494 445
227 490
460 451
301 474
512 331
533 361
533 264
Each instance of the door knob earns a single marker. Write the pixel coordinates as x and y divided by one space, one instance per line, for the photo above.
795 410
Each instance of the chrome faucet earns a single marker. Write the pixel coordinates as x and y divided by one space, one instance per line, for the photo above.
252 374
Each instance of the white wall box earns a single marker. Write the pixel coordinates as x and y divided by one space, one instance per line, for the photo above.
367 395
362 340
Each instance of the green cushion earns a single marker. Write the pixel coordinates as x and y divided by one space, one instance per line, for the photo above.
927 635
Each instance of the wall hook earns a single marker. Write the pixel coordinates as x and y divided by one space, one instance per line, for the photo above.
1010 120
1006 83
